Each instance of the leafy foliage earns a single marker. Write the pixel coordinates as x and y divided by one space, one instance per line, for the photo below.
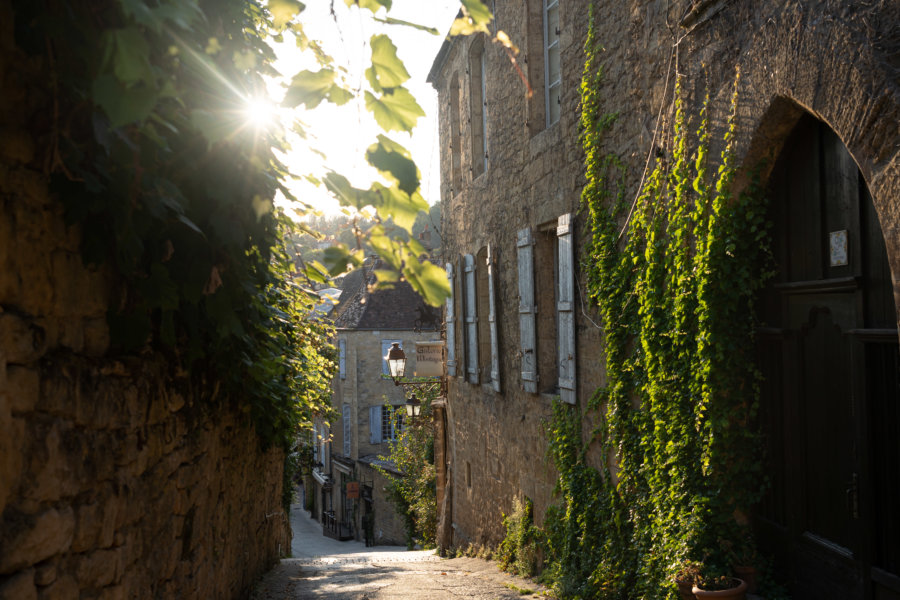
151 151
519 552
414 492
676 299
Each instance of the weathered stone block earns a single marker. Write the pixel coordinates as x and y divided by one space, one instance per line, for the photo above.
45 574
50 534
19 587
64 588
97 569
22 388
22 342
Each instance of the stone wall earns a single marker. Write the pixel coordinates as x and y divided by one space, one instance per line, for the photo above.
835 59
117 478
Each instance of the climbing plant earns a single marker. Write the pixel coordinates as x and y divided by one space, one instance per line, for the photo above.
413 490
674 278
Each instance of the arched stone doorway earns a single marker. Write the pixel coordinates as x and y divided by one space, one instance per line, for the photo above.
831 394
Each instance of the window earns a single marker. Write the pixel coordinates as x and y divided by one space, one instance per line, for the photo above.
547 319
485 305
342 359
478 106
392 422
385 347
385 423
552 70
455 149
545 275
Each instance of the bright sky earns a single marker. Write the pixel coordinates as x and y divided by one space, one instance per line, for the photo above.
343 133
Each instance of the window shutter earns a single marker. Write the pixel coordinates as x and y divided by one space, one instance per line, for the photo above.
565 309
492 320
374 424
450 320
471 321
525 244
345 410
342 355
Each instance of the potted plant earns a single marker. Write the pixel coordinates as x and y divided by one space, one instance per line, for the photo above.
745 561
720 587
685 577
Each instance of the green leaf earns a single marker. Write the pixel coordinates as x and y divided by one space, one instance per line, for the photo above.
213 127
337 259
396 110
393 160
387 70
399 206
475 19
373 5
122 104
387 276
130 55
345 193
283 11
311 87
429 280
316 271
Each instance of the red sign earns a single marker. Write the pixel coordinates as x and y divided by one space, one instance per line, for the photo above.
353 489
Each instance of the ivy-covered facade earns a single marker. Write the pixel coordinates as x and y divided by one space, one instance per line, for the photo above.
673 335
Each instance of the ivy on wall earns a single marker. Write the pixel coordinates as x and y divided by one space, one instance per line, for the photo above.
674 282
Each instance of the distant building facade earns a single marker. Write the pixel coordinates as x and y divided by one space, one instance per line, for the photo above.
350 490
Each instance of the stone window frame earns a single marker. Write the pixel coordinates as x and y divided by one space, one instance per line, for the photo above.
552 58
478 106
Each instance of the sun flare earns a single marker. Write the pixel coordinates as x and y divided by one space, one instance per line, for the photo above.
260 112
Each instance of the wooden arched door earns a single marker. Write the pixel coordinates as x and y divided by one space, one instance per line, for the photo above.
830 402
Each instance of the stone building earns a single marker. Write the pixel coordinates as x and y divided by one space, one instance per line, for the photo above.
367 323
116 479
819 95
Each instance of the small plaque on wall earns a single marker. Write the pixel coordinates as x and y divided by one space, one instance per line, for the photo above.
837 242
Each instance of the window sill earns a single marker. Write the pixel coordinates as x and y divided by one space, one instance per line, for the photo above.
545 139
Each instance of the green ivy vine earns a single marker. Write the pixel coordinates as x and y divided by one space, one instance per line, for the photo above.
675 282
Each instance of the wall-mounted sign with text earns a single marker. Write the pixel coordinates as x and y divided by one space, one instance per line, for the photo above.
429 359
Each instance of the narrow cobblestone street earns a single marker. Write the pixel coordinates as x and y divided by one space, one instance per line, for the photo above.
321 567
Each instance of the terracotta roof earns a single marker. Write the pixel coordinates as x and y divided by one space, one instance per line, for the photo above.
398 307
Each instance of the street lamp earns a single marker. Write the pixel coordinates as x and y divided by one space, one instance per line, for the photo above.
396 360
413 406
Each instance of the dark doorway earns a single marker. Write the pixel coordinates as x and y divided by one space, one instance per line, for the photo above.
830 399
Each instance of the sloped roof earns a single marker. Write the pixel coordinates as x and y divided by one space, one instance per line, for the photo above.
396 308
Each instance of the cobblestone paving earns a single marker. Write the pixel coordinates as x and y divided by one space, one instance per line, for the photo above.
325 568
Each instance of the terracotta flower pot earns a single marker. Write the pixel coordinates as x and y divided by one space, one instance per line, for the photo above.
748 574
739 592
685 590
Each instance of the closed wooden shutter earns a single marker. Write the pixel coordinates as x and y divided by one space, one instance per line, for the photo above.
342 352
492 320
471 320
375 425
565 308
450 321
345 410
527 345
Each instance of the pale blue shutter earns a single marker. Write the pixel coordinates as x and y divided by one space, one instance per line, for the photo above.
492 320
471 320
374 424
450 320
527 338
565 309
342 357
345 410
